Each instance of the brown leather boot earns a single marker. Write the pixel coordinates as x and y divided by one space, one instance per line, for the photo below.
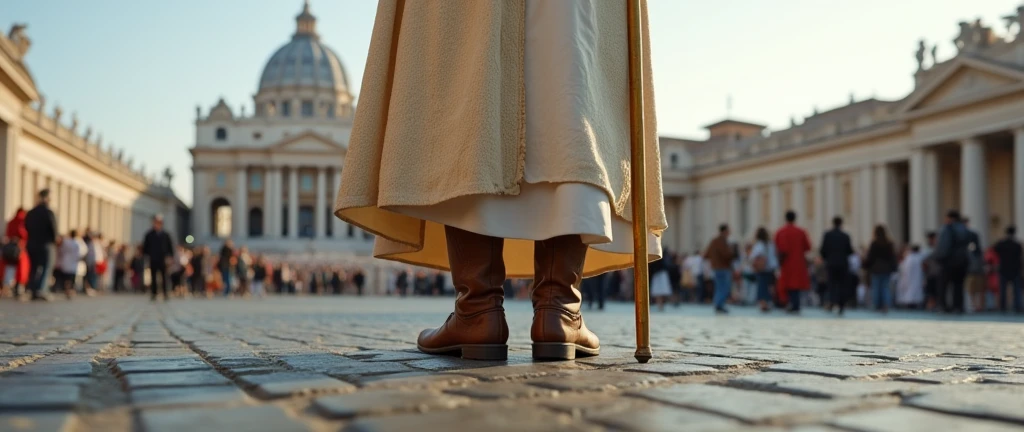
477 329
558 331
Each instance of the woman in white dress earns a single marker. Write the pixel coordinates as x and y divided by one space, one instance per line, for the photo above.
492 140
910 290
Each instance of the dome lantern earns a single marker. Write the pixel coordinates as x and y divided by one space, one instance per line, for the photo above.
305 23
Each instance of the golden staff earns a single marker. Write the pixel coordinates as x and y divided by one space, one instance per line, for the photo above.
638 183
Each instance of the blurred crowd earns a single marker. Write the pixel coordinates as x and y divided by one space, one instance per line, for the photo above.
952 273
37 262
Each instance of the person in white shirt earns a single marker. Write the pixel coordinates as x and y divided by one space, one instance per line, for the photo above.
94 255
693 275
72 252
764 262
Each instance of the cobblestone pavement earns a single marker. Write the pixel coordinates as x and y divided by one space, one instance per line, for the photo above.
283 364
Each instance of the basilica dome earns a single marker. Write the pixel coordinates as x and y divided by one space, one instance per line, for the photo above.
303 68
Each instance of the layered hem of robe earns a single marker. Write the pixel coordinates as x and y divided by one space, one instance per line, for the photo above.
544 204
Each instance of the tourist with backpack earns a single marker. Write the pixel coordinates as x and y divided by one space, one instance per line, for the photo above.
952 253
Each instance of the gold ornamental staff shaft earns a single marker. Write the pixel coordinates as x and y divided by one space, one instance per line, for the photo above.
638 181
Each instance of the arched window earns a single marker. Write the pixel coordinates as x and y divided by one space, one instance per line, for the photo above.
220 217
256 222
222 134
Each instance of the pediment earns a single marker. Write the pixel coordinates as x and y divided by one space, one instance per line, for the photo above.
309 143
962 82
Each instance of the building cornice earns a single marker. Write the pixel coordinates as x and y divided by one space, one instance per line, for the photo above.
129 179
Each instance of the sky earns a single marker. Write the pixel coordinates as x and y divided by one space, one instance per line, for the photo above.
136 70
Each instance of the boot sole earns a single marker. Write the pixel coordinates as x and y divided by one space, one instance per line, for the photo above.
471 351
562 351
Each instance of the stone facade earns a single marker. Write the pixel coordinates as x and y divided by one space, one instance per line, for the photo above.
956 141
268 180
92 185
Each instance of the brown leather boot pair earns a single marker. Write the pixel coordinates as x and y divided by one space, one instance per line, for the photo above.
477 329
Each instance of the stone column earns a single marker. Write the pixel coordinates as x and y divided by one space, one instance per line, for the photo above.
1018 178
883 196
831 195
337 225
918 199
733 217
267 204
9 171
687 221
933 214
26 189
240 209
200 207
320 210
800 202
973 190
754 209
776 215
273 211
293 202
866 205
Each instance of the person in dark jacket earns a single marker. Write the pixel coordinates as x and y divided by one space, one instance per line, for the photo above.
158 247
836 249
881 263
952 253
226 264
41 226
359 279
1010 254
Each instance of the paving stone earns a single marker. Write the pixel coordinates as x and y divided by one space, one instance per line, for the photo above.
640 415
336 365
944 377
914 420
720 362
284 384
174 379
41 422
265 417
411 380
521 371
503 390
500 419
162 366
751 406
38 397
371 402
977 400
69 369
180 396
391 356
442 363
672 369
597 380
1004 379
860 372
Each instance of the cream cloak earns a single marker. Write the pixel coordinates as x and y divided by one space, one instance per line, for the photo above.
442 118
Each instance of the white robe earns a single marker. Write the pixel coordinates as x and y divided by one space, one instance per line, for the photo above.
910 288
556 31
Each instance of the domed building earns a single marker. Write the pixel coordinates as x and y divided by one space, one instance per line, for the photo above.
266 179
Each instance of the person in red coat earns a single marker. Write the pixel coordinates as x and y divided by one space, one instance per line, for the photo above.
792 245
16 230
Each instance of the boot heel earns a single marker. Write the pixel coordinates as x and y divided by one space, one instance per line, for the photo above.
485 352
554 351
